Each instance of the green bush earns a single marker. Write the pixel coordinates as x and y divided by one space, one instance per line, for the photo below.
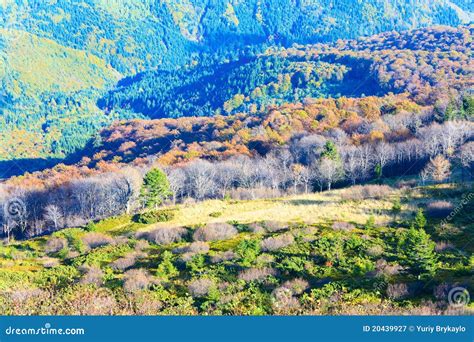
248 251
60 276
155 216
370 224
90 227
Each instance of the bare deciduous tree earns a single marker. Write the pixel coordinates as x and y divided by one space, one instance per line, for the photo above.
226 175
53 214
328 172
466 155
383 154
201 181
177 181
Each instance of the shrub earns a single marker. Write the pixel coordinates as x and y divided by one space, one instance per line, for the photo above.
55 245
140 245
443 246
441 291
49 262
284 303
214 232
155 216
197 247
277 242
252 274
190 251
87 301
403 184
164 235
223 256
265 259
360 192
397 291
121 240
375 250
122 264
296 286
135 280
216 214
342 226
439 209
94 240
72 254
91 275
256 228
382 268
146 303
447 230
274 226
201 287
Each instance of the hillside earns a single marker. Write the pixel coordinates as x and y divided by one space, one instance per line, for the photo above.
71 52
429 68
421 77
177 29
48 92
332 253
418 62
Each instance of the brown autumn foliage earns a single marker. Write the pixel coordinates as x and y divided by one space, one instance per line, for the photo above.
421 71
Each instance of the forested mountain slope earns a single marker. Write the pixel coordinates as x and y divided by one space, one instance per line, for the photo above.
135 35
58 58
47 101
418 60
416 78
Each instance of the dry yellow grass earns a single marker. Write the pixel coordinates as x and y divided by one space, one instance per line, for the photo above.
310 208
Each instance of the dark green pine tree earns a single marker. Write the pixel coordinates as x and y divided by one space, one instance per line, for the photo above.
166 268
330 151
155 188
418 252
420 220
468 106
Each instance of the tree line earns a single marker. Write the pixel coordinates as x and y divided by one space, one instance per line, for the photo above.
308 162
